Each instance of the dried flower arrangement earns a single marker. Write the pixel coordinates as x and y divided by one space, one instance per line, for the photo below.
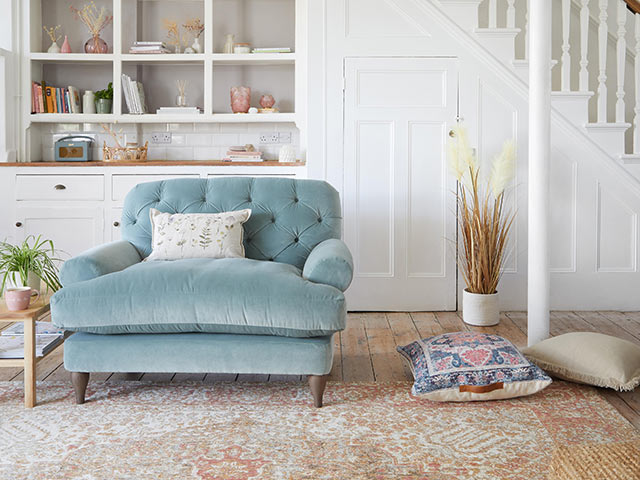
53 33
95 20
484 224
195 26
128 153
174 37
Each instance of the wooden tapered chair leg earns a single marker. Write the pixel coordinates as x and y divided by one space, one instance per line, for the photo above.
80 381
317 384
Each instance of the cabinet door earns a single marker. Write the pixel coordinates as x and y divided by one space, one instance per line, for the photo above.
72 229
115 224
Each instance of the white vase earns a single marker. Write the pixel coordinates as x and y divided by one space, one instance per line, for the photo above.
33 281
482 310
54 48
197 48
287 154
89 102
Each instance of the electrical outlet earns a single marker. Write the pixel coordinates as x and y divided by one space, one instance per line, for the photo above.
161 137
269 138
284 137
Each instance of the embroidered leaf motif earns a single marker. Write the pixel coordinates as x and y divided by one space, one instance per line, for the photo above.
205 235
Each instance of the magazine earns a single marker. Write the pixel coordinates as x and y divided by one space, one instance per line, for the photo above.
42 328
13 346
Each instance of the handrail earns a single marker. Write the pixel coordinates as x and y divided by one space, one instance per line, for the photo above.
633 5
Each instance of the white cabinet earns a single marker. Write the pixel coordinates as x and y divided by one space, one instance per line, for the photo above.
73 229
115 224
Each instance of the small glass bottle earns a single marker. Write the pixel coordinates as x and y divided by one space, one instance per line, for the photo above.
228 45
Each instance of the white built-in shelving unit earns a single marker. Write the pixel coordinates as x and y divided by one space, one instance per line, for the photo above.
210 75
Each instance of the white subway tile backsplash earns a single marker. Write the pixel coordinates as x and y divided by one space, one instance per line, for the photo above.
179 153
208 153
207 127
157 153
178 140
199 139
180 127
48 155
233 128
225 139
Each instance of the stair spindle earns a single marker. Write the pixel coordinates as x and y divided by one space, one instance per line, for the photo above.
526 31
584 46
565 78
636 110
621 50
493 13
603 33
511 14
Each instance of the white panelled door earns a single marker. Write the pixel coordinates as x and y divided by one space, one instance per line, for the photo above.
399 204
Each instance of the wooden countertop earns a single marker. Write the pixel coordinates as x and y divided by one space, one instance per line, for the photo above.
161 163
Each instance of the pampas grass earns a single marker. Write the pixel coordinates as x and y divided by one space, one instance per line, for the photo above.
483 222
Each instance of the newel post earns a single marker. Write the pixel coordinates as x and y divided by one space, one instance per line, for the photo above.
539 153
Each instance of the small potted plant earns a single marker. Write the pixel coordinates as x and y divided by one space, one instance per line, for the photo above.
104 99
29 263
484 227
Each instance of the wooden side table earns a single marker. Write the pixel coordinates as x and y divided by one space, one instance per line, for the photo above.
29 317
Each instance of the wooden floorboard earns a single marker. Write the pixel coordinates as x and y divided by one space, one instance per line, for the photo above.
366 350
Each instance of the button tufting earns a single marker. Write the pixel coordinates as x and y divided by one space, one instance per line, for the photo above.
249 200
248 240
271 259
273 220
296 239
319 220
296 200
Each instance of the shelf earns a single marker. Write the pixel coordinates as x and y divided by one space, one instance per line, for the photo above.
72 118
72 57
254 58
158 163
163 58
154 118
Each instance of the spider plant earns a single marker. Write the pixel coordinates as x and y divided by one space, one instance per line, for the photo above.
483 220
33 255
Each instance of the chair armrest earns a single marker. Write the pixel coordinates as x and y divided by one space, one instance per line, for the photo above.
330 262
100 260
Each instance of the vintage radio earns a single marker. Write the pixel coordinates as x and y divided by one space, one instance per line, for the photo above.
74 149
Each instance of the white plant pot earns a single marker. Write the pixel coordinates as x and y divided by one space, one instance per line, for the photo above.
14 280
481 310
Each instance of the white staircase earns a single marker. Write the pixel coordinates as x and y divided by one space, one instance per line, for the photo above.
598 94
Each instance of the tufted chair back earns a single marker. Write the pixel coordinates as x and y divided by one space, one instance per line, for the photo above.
288 217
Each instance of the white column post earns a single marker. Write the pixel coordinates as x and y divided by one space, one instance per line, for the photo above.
621 59
603 36
565 77
584 46
539 153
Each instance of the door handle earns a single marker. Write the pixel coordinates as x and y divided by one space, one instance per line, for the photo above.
18 224
452 133
116 224
60 187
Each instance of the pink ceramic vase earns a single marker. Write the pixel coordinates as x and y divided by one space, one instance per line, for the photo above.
96 45
18 298
66 48
240 99
267 101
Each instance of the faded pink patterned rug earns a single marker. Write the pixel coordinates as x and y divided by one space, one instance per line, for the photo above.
236 431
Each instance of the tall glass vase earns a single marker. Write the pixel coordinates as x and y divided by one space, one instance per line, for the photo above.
96 45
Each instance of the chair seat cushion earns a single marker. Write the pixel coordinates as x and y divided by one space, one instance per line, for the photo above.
230 295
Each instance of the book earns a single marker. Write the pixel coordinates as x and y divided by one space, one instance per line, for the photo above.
178 110
142 101
134 95
148 52
74 100
42 328
12 346
272 50
49 95
149 44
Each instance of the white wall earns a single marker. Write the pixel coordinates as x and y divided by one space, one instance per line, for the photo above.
595 205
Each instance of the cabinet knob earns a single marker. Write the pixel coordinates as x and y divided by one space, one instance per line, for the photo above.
18 224
116 224
60 187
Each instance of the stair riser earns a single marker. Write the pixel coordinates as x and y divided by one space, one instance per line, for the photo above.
464 13
611 141
502 47
576 110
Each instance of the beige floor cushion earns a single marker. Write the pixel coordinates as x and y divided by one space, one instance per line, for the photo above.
591 358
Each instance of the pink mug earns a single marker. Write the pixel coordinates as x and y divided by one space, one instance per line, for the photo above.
18 298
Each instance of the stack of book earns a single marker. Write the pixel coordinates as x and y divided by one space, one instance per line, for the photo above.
48 337
242 154
272 50
149 47
133 95
46 99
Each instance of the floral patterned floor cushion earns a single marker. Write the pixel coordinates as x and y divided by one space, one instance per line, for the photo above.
470 366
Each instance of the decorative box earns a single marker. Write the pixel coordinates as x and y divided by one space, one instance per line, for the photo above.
74 149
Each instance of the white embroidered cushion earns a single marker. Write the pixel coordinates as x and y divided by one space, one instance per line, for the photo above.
197 235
